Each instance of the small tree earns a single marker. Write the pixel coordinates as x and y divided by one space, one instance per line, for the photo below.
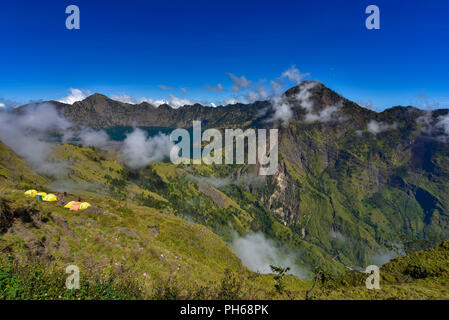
279 284
324 279
231 287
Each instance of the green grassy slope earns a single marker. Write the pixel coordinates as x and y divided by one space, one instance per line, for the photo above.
140 248
419 275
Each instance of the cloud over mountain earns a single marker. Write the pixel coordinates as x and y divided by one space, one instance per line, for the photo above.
376 127
258 253
294 75
74 96
139 149
28 134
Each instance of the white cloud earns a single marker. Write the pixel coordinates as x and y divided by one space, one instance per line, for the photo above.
282 109
430 126
425 122
260 91
165 87
376 127
153 102
304 95
258 253
239 83
383 256
93 138
257 94
8 104
173 101
250 92
327 114
178 102
337 235
219 87
74 96
276 87
231 101
294 75
139 149
252 96
124 98
27 134
263 92
443 123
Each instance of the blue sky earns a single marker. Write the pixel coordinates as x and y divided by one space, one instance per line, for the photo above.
132 47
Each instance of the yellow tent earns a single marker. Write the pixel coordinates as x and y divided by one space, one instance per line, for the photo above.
69 205
75 206
50 198
84 206
42 194
31 193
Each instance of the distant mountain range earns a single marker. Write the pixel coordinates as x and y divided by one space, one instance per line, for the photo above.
99 111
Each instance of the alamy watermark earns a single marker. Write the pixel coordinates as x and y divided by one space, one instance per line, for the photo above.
373 281
73 280
73 20
373 20
259 151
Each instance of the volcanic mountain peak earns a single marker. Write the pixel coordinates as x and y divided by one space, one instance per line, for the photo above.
97 96
304 85
98 99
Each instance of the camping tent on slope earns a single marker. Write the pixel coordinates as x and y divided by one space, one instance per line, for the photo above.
75 206
31 193
50 197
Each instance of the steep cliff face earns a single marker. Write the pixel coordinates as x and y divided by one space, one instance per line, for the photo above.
355 181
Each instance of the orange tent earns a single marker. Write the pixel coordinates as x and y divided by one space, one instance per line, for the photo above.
75 206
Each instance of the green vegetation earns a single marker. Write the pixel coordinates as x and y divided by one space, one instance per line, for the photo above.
419 275
38 281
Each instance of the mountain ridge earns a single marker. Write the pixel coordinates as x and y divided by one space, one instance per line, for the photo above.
99 111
